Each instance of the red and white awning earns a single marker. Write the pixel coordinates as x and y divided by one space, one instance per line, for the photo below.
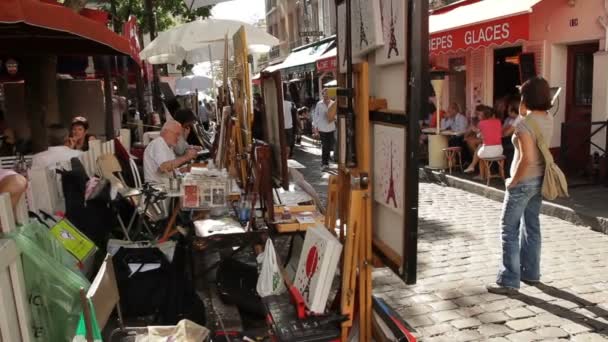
31 26
481 24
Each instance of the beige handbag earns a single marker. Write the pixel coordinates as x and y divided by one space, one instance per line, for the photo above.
554 182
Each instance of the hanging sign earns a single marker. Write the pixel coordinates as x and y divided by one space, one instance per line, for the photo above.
327 64
496 32
130 31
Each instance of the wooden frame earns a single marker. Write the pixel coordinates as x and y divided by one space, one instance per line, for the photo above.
274 130
241 86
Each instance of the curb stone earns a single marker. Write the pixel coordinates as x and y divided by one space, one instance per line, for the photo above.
598 224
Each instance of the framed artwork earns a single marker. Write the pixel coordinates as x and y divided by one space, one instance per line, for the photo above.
367 32
389 166
393 19
341 13
274 125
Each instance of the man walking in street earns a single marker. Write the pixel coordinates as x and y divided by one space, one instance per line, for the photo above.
288 121
325 126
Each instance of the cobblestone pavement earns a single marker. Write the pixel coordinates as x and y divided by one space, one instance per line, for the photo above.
459 252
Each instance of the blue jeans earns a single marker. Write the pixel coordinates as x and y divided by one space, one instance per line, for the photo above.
521 208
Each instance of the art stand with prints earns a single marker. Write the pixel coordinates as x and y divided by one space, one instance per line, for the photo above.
393 18
388 166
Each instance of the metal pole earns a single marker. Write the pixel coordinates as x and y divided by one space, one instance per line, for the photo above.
417 94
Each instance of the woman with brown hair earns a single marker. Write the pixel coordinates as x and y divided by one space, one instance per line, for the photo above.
523 199
490 132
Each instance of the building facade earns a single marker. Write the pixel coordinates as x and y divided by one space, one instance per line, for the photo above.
298 22
563 41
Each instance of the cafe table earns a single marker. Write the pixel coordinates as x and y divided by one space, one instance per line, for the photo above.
438 142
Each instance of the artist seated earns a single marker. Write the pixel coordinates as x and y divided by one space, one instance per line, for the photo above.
160 160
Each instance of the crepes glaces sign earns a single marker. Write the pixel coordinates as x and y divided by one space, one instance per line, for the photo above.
496 32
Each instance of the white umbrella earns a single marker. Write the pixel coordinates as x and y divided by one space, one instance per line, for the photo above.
194 4
173 46
189 84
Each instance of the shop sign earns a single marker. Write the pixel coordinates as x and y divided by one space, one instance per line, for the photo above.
485 34
327 64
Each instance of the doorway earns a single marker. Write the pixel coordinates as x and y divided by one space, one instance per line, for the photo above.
458 83
506 75
579 94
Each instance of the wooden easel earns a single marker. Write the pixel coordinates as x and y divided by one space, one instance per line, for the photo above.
352 199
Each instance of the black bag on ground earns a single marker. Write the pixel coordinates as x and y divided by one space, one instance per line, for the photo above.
143 277
236 284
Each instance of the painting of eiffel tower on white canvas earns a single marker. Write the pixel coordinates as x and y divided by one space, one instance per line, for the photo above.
389 166
393 19
367 30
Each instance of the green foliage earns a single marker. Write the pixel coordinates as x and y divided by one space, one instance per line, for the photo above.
168 13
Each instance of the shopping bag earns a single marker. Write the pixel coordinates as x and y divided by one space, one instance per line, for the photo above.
52 289
81 330
270 281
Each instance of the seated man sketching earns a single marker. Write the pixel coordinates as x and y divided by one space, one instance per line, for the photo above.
159 158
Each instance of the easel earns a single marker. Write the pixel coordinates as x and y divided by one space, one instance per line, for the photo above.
350 197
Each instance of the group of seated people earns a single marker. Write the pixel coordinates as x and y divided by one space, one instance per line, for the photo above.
484 136
63 146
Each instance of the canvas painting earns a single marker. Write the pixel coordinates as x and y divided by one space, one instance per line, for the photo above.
389 166
342 39
393 19
366 25
274 132
317 267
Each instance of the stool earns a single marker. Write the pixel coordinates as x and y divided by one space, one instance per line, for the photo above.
450 154
486 168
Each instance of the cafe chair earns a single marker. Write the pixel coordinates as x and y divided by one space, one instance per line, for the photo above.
454 157
485 165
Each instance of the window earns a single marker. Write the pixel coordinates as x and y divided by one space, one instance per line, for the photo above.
583 79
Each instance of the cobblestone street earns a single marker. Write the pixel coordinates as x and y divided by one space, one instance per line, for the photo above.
459 252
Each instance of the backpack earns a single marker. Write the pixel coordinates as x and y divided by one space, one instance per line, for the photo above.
554 182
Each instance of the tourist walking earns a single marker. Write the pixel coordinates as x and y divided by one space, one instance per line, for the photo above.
325 126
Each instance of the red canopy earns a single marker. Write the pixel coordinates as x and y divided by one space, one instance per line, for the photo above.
32 27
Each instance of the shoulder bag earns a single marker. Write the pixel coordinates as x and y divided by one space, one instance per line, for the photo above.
554 182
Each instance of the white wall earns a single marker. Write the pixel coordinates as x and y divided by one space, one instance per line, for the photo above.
557 59
388 82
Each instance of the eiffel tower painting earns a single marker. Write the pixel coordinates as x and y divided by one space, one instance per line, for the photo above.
392 45
362 35
391 195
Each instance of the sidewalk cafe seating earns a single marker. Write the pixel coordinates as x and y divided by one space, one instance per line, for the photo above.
451 153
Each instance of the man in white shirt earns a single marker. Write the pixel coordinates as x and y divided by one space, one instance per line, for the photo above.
454 120
57 152
159 158
288 121
322 124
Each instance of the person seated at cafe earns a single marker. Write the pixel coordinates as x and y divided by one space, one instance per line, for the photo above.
490 130
79 137
57 152
14 184
160 160
454 121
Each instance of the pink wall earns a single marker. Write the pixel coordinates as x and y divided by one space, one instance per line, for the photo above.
551 20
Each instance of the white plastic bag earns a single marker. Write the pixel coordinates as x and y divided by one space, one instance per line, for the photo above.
270 281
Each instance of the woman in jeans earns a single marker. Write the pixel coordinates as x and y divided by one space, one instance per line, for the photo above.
521 207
